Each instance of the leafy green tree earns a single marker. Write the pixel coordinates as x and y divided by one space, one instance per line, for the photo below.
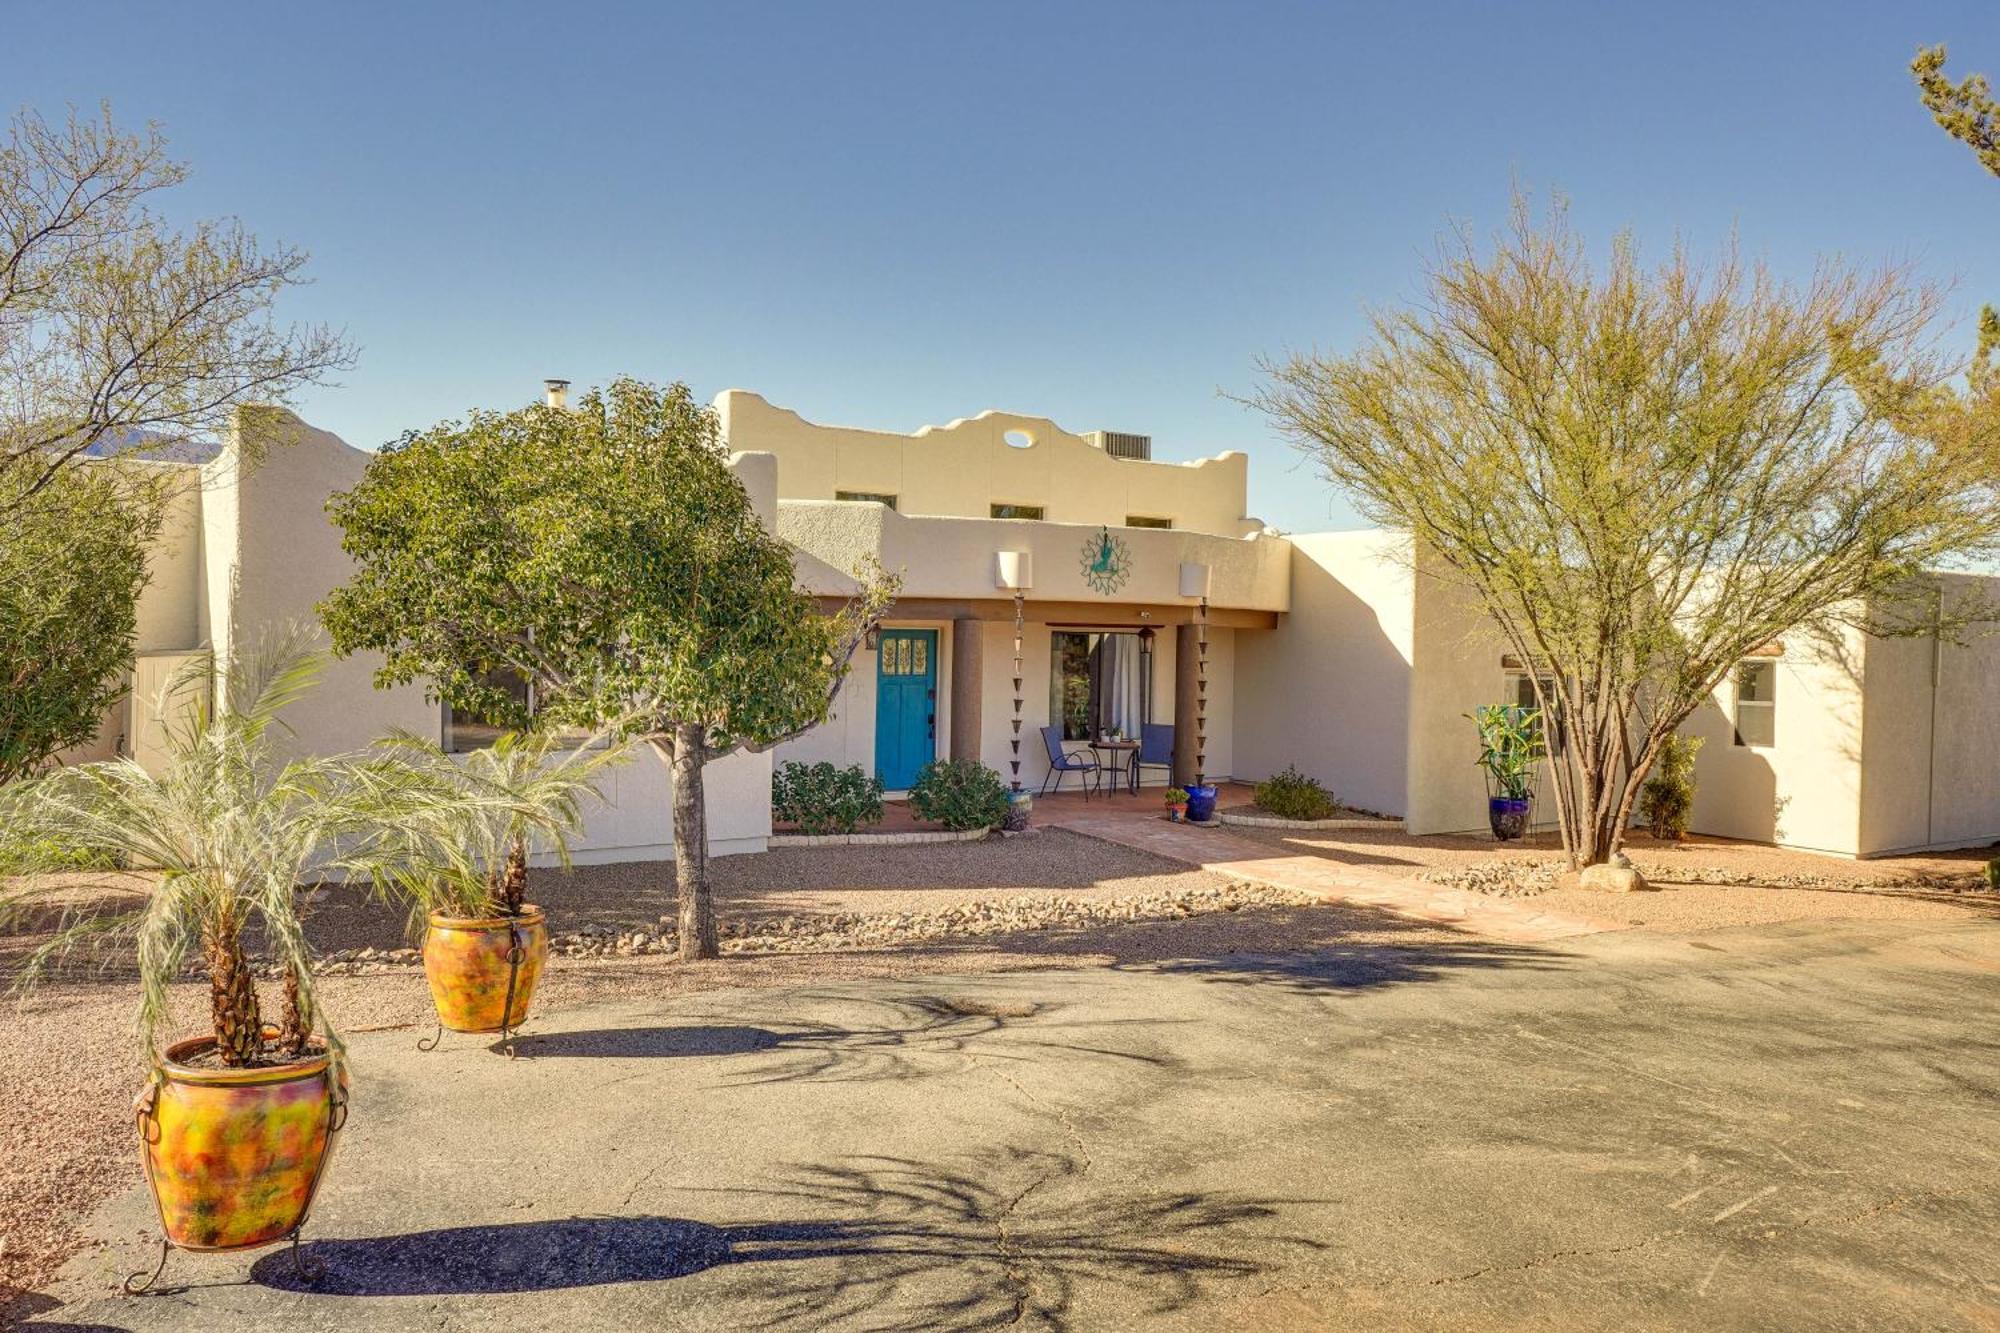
609 556
117 331
71 568
1967 112
1643 473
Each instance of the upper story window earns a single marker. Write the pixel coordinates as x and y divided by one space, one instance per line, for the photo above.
1018 511
1757 703
1143 521
877 496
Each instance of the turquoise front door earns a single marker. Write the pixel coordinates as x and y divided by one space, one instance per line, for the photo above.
905 705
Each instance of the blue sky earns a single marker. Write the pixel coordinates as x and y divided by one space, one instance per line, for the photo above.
895 214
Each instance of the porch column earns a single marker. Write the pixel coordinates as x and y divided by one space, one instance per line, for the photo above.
968 681
1187 706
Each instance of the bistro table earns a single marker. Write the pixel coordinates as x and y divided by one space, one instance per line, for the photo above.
1109 755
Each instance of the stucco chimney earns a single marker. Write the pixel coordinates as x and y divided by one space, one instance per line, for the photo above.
556 393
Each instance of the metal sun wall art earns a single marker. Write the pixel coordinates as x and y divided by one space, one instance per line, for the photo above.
1106 563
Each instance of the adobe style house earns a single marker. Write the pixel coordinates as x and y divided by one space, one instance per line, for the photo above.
1130 591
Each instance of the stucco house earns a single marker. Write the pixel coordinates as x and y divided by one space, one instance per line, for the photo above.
1052 579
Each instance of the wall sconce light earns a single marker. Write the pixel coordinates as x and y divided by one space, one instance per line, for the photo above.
872 640
1014 570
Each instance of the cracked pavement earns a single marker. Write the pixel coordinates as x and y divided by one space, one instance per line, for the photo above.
1777 1127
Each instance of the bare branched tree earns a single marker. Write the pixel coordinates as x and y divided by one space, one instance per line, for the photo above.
117 331
1643 474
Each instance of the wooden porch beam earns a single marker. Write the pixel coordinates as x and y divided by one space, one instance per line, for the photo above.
1078 615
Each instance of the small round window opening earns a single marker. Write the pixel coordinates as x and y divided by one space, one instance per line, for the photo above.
1019 439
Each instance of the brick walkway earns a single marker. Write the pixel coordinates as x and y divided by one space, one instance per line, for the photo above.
1216 849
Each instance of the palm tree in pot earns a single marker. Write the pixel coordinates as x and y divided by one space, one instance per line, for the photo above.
220 834
466 824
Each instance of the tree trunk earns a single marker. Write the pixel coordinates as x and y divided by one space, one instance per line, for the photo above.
697 910
514 879
232 994
295 1030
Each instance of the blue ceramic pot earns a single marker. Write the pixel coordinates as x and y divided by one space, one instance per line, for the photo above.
1201 802
1508 815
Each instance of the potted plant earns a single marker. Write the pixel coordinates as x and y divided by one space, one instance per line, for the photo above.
219 834
461 861
1177 804
1020 808
1510 746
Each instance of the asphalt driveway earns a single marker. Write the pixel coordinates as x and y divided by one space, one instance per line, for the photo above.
1782 1127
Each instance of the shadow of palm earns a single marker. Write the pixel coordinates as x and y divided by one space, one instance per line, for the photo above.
891 1242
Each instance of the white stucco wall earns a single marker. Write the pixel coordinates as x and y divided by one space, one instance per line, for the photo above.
963 468
1930 773
1456 656
1805 790
170 608
1329 689
955 557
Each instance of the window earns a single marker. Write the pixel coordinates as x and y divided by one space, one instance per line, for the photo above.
1141 521
1098 682
876 496
1757 704
1521 694
1017 511
467 731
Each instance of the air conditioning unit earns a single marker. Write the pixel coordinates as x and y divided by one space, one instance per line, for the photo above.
1120 445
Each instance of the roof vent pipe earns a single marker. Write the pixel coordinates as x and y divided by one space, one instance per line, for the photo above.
556 393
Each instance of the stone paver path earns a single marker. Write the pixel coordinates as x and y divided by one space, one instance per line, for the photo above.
1213 849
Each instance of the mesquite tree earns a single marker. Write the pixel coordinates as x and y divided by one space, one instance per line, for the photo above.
610 557
1968 112
118 331
1643 473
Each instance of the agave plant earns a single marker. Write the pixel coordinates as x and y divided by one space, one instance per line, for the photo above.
463 823
223 830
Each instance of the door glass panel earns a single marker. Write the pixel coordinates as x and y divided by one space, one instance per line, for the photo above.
922 666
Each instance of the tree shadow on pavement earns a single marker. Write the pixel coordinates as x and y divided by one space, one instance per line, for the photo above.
1357 967
1331 948
912 1034
886 1241
16 1307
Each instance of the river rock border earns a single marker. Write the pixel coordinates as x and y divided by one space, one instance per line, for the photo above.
875 839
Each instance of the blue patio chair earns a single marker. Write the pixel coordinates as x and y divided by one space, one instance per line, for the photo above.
1061 762
1156 748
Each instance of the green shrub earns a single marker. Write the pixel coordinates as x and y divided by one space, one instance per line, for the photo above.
1667 800
1176 796
959 794
1293 795
822 799
47 856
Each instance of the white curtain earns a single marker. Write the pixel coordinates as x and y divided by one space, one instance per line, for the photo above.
1120 692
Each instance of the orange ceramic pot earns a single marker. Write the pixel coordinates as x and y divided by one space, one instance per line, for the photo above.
234 1156
466 960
